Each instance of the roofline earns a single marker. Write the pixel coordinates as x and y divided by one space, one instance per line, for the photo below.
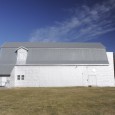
21 47
55 64
54 48
63 65
4 75
3 46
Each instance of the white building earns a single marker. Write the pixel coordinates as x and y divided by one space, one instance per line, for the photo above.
26 64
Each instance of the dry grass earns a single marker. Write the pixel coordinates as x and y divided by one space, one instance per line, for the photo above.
57 101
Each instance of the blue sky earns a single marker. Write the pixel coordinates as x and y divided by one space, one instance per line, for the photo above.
58 21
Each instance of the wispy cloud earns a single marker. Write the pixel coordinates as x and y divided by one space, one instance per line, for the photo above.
86 23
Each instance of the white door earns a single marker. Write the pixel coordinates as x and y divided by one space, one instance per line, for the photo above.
92 80
4 80
0 81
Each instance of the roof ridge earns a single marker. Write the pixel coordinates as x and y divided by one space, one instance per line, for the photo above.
53 45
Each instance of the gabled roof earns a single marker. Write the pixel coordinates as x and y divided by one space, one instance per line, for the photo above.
5 70
54 53
21 47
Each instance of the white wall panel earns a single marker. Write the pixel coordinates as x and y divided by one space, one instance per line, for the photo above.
11 79
41 76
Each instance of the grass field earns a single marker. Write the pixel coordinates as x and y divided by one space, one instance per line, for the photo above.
57 101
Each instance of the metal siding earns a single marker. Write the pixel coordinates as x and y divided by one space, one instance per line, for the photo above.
8 56
66 56
6 69
53 53
7 60
57 56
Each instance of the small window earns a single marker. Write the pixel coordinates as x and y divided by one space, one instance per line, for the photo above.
22 77
18 77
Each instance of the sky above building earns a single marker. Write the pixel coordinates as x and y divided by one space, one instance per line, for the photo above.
58 21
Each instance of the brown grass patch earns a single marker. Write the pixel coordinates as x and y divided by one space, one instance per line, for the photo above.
58 101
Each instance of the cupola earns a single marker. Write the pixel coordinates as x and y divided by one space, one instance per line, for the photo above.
21 55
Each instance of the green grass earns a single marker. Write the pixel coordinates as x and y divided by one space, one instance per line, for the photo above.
57 101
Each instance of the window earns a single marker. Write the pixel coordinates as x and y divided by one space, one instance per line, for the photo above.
22 77
18 77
